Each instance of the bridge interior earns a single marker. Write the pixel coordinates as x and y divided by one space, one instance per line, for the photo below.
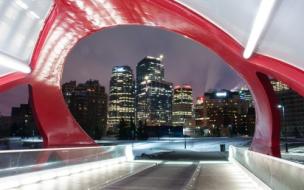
37 36
156 175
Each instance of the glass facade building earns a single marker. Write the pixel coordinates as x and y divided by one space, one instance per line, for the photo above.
150 68
182 110
121 96
153 93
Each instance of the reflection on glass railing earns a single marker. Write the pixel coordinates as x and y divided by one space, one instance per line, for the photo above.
13 162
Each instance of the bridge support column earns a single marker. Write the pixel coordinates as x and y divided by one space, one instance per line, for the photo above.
267 131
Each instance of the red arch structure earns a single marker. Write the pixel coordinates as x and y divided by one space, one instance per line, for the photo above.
70 21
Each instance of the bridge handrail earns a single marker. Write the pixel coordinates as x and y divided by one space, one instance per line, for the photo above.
277 173
15 162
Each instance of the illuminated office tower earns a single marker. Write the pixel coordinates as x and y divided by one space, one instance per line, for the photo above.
121 98
182 106
153 93
150 68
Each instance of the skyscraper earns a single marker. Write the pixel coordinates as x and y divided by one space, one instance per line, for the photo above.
182 106
121 96
88 104
153 93
150 68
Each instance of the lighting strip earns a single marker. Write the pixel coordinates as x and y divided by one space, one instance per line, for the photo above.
57 149
260 22
38 176
22 4
13 63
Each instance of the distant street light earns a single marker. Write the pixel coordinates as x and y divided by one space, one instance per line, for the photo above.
285 126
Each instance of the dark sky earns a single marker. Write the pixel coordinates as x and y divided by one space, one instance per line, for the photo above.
185 61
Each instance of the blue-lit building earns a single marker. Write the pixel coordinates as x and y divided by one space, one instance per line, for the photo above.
153 93
121 96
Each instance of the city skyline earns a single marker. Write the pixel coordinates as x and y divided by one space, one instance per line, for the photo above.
94 57
127 45
220 112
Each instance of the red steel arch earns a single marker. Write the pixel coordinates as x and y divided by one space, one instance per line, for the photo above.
70 21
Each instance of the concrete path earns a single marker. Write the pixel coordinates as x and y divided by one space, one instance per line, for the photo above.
223 176
153 175
162 177
92 179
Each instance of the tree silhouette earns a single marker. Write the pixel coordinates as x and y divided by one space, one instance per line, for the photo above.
122 130
141 131
132 129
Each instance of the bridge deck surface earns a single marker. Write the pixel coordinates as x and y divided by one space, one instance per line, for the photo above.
219 176
147 175
91 179
161 177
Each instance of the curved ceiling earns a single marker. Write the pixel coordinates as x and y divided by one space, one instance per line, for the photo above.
22 20
20 24
283 37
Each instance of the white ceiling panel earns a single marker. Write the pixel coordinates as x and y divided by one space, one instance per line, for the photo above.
283 37
233 16
20 24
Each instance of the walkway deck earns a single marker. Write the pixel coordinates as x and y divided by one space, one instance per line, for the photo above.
92 179
219 176
148 175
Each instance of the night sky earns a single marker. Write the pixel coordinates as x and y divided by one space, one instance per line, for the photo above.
186 62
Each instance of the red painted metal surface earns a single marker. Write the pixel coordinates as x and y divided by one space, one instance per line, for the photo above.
70 21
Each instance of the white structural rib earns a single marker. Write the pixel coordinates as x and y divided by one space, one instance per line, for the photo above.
13 63
260 22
